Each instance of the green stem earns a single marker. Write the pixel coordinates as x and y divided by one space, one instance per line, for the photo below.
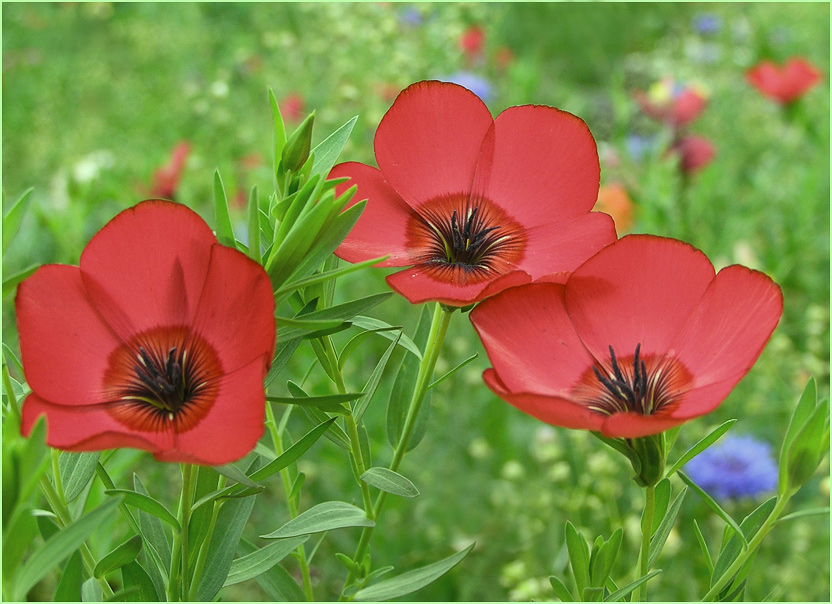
438 330
205 546
14 407
178 582
352 429
729 574
646 535
65 519
286 479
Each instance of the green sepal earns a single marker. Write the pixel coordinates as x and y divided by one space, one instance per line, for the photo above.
651 453
805 406
298 146
808 447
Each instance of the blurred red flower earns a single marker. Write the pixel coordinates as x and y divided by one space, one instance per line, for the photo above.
292 107
671 103
166 179
695 152
159 340
784 84
614 200
504 57
642 337
472 41
475 204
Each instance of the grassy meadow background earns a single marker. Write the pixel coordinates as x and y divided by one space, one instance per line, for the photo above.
95 96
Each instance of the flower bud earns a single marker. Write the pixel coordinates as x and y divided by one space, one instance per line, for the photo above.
297 148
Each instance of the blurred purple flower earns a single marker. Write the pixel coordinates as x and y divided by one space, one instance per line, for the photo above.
638 146
410 16
707 23
738 466
476 84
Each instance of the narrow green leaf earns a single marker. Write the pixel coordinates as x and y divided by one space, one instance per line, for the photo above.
18 534
254 226
335 434
355 342
14 217
282 353
91 591
617 596
386 330
703 545
323 517
77 469
327 152
155 539
231 520
805 406
709 501
390 482
439 380
276 582
593 594
237 475
403 387
294 492
748 528
612 548
58 548
222 219
123 554
69 587
146 504
290 328
261 560
411 580
578 556
331 403
349 564
660 537
804 513
10 283
372 383
561 591
661 501
207 480
327 276
347 310
701 446
138 586
279 128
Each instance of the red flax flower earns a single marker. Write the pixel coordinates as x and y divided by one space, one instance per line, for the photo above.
785 84
475 204
166 179
672 103
159 340
695 152
642 337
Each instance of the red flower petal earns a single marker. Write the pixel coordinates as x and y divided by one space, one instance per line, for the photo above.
382 228
428 142
542 157
236 310
635 425
688 106
146 267
641 289
418 286
87 428
530 339
727 332
233 426
550 409
63 341
563 246
787 84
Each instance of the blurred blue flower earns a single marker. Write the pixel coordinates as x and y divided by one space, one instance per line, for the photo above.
411 16
638 146
707 23
476 84
738 466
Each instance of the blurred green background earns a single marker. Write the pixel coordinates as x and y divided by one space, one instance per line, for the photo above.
96 95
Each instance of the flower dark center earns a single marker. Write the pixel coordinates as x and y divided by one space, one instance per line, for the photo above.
164 378
466 241
643 386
